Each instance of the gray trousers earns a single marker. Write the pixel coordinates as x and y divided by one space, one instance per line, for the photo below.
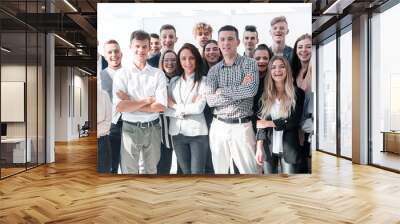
140 143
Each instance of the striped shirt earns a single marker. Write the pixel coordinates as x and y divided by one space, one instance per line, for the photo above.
235 99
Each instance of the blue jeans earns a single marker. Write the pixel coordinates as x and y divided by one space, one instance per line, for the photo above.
191 153
115 140
103 154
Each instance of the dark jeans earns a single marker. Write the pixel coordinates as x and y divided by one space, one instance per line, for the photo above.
273 165
191 153
115 140
103 154
208 114
165 163
304 166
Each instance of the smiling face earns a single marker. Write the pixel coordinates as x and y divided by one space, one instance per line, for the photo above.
202 36
188 61
304 49
212 53
168 39
250 40
228 43
140 49
155 46
278 71
279 31
169 63
262 57
113 55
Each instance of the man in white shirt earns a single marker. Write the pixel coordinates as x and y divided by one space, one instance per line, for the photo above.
113 55
140 93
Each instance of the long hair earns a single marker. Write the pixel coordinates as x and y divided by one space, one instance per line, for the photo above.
296 63
160 64
198 70
206 66
270 93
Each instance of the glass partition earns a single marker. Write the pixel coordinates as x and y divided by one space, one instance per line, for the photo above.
327 96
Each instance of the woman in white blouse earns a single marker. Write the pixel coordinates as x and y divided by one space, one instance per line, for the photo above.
186 103
281 111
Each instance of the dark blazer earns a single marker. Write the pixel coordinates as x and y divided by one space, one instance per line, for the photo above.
290 127
155 60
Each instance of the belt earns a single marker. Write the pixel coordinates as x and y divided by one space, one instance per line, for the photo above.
234 120
144 124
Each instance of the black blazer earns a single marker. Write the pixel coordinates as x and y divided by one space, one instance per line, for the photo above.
290 127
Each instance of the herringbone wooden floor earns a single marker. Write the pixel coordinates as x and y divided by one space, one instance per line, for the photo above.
70 191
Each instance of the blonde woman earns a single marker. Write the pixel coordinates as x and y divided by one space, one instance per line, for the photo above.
281 110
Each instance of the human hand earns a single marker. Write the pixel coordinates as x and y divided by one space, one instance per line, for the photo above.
260 156
263 123
196 98
247 79
123 106
149 99
122 95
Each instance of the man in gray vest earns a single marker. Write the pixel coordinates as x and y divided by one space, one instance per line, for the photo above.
113 56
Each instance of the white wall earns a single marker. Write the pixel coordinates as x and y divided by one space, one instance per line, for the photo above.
117 21
67 116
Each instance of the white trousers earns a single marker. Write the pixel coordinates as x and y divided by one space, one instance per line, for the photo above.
233 142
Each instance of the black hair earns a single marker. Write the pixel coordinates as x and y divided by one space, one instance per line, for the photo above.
206 67
154 35
229 28
199 69
296 63
140 35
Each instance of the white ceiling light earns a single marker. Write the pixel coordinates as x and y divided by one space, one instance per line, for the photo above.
338 6
65 41
84 71
70 5
5 49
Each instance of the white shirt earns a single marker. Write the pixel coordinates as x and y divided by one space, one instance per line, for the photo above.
111 72
277 146
115 115
103 113
139 84
187 117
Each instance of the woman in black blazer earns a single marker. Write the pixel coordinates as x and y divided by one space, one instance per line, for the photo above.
281 111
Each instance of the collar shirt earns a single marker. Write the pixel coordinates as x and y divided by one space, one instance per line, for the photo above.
236 99
139 84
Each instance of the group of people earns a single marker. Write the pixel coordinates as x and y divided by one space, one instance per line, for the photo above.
219 111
